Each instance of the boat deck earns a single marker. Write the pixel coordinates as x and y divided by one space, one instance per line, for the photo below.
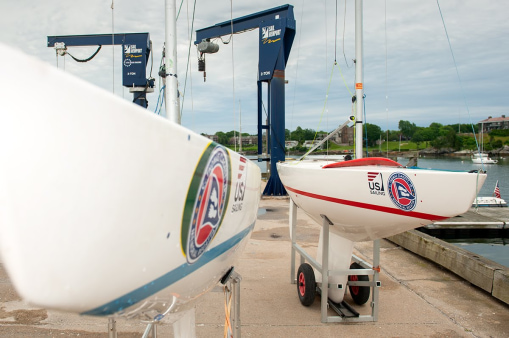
416 297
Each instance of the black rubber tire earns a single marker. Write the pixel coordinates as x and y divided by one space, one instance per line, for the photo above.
306 284
360 294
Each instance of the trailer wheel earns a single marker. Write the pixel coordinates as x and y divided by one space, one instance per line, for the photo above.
360 294
306 284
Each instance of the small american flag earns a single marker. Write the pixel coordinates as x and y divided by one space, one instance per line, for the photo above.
497 191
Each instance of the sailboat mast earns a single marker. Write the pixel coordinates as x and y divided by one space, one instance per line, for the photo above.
240 128
359 91
171 92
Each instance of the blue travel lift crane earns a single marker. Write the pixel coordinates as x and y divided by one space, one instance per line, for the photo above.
276 34
136 51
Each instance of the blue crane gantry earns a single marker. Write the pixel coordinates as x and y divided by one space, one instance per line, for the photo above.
136 51
276 34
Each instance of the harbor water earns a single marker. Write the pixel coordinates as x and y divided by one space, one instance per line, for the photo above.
495 249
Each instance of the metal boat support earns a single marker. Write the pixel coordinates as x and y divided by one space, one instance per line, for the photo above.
346 313
231 286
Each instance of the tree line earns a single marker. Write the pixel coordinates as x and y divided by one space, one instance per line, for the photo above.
439 136
436 135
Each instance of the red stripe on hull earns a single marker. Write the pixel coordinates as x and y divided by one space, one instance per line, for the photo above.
380 208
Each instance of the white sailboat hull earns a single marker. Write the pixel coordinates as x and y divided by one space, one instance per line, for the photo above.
363 201
106 208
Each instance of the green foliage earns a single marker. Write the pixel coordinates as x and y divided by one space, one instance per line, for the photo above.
302 135
407 128
222 138
373 133
439 143
419 137
499 132
436 135
465 128
394 135
468 143
497 144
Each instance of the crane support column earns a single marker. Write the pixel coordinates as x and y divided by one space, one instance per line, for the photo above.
276 34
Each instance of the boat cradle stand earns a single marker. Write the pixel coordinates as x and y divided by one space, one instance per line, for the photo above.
346 313
230 285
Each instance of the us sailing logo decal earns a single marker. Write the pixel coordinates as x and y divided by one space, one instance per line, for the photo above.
206 201
376 183
402 191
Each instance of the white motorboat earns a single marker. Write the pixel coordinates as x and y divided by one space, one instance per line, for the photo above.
489 202
483 158
372 198
106 208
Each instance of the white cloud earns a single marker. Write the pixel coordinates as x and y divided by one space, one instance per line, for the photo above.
421 81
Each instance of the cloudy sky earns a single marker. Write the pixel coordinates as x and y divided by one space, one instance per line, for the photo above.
409 72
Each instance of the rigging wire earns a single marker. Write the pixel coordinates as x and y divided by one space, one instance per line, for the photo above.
344 29
180 7
112 45
233 72
188 64
335 64
163 88
151 59
327 94
160 99
336 32
326 51
365 123
297 65
460 83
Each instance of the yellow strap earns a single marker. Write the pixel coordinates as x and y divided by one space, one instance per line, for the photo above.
227 308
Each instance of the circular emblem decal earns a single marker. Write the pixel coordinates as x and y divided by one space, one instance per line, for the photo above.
206 201
402 191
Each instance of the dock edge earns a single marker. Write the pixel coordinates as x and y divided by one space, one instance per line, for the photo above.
481 272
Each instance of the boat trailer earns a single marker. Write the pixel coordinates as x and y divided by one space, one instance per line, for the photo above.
358 280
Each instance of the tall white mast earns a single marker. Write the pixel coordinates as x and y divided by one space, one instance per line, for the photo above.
359 80
171 92
240 128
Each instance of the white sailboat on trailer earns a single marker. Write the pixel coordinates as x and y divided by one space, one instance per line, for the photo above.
371 198
107 209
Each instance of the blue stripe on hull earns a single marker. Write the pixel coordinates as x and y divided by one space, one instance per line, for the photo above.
167 279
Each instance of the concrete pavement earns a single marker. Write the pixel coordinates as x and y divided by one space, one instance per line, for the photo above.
417 297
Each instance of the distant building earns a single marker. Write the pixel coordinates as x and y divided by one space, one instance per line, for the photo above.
311 143
346 135
321 136
214 138
492 123
291 144
246 140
